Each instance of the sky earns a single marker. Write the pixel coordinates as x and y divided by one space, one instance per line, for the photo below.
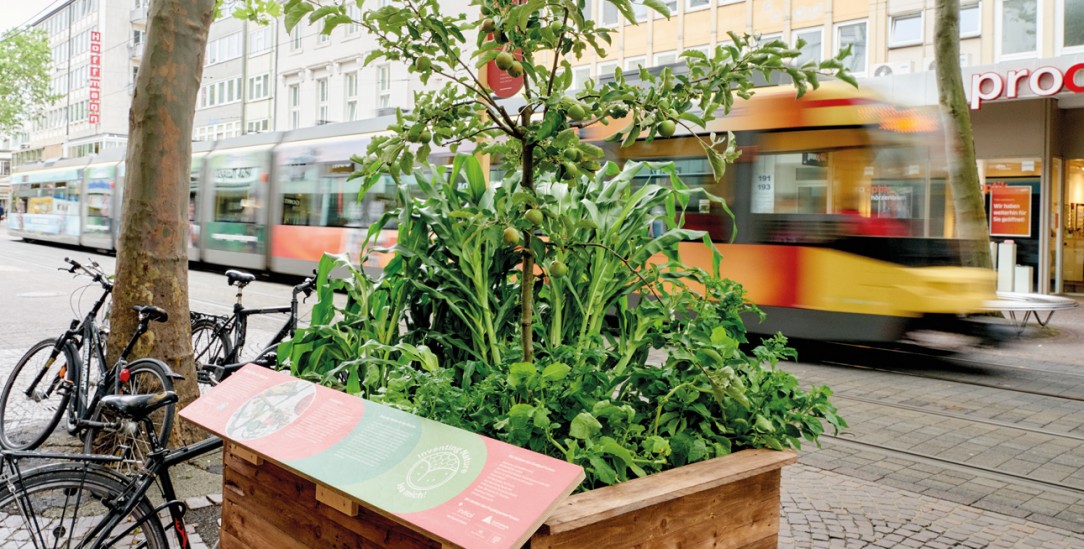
14 13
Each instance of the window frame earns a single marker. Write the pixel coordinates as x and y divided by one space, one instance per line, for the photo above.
999 29
689 7
1059 31
383 86
655 57
893 42
796 34
977 6
837 42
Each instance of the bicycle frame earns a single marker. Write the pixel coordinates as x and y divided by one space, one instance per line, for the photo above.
159 464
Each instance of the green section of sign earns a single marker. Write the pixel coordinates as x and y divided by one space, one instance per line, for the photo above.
382 438
442 465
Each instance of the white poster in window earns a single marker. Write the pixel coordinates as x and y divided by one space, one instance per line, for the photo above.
764 185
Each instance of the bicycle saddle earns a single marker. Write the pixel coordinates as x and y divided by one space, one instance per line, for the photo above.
139 406
153 313
235 276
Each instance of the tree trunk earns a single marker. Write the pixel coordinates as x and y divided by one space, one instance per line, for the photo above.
963 174
152 258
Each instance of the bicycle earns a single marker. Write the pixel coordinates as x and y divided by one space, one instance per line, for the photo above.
219 340
40 388
80 502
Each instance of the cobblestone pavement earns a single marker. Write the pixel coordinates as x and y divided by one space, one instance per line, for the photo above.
950 462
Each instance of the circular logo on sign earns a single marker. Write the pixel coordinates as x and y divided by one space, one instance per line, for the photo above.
436 467
271 410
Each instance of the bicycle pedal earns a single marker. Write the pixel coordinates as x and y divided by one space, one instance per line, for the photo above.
65 387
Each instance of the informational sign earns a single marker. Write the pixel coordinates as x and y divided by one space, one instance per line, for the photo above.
1010 211
95 103
454 485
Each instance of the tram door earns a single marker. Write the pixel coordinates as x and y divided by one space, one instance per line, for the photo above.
234 231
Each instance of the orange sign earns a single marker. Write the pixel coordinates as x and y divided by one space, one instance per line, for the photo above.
1010 211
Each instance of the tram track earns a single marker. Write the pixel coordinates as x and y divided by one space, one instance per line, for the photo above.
996 443
962 417
957 465
992 373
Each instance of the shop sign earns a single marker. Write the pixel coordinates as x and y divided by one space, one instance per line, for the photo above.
1010 211
95 104
1042 82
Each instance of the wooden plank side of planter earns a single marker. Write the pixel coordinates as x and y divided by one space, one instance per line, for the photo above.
731 501
267 506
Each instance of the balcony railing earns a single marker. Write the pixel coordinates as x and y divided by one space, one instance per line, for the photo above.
135 50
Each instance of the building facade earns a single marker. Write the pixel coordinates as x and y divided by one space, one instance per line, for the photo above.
1023 63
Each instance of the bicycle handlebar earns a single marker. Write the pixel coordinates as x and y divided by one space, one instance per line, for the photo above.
97 273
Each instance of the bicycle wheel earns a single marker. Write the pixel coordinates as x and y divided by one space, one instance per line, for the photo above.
59 506
125 437
35 395
210 346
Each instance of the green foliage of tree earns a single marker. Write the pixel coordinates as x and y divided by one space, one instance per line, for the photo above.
536 138
527 308
25 65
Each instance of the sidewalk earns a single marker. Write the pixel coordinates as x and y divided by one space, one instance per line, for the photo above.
878 504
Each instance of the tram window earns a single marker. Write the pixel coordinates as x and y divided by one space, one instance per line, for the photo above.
330 200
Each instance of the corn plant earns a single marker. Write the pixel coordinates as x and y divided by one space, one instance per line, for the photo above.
550 308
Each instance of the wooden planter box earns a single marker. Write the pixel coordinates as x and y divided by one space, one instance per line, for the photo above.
732 501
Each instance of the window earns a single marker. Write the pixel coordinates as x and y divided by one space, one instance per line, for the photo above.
259 87
853 35
970 21
258 126
137 37
639 10
770 37
295 38
813 49
691 5
1019 28
672 6
665 58
219 93
606 71
295 105
589 10
905 30
322 39
350 92
610 15
580 76
321 101
354 13
259 41
224 49
1072 24
383 86
633 64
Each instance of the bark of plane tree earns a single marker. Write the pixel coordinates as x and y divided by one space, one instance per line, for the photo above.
963 172
152 260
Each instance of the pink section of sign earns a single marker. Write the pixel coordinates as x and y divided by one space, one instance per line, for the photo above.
506 503
306 426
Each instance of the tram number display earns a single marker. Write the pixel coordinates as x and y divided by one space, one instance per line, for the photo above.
763 194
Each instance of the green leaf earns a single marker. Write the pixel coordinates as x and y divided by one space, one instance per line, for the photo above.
521 374
584 426
555 372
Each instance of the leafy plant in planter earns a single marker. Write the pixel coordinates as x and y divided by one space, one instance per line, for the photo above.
550 309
